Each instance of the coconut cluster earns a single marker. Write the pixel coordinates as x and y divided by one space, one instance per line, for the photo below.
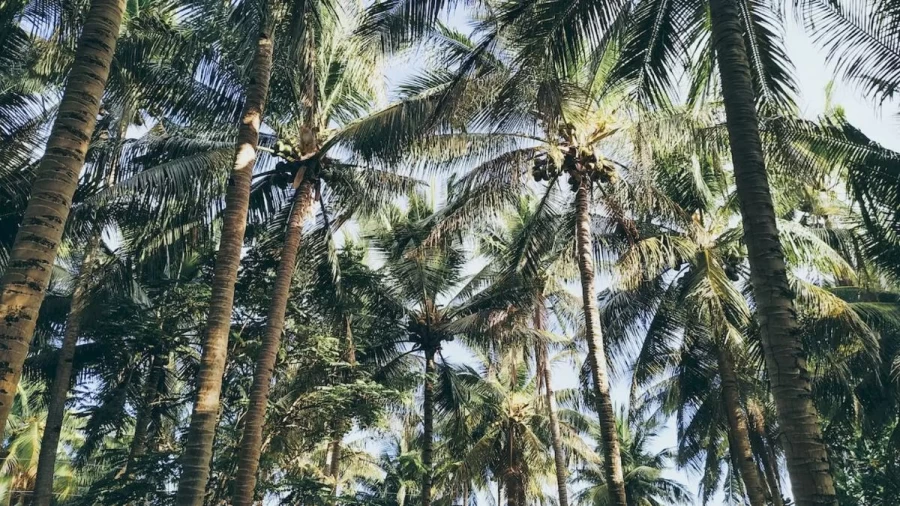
578 163
297 155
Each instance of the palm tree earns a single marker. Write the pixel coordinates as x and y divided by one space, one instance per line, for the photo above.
419 276
20 459
533 261
32 255
198 448
435 302
653 38
547 125
643 469
497 426
331 118
807 456
680 296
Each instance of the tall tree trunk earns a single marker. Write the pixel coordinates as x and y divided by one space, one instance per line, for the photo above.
251 441
198 441
612 459
428 425
33 254
807 457
515 490
149 397
555 434
737 425
56 407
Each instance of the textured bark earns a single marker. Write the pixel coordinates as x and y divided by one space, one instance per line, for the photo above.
740 434
251 440
555 434
33 254
428 423
807 457
612 459
59 390
199 439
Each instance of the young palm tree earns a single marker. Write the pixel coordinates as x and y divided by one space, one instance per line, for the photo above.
643 470
532 259
31 257
497 426
420 276
20 460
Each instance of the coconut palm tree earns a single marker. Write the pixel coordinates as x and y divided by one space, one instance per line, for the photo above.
644 467
743 46
531 258
498 427
435 301
419 277
34 251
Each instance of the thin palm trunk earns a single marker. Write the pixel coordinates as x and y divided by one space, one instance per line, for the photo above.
334 453
199 439
612 459
769 466
740 434
251 442
149 397
33 253
56 407
807 457
769 461
555 434
428 425
334 464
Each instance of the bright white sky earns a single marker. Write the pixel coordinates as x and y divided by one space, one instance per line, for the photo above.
812 75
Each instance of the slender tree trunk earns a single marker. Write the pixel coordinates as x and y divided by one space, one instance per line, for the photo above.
149 397
198 441
33 254
428 422
740 434
555 434
251 442
612 459
769 465
349 346
807 457
334 465
56 408
769 461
